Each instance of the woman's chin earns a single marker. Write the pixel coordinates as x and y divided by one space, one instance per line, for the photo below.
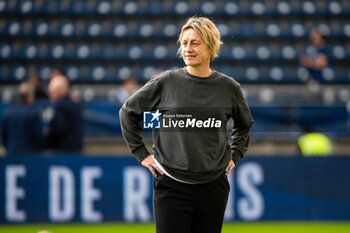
190 63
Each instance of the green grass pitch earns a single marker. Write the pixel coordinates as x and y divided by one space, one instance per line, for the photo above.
256 227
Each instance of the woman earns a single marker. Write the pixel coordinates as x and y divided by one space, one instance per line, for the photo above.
191 153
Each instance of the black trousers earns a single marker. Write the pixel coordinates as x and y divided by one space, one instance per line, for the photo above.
187 208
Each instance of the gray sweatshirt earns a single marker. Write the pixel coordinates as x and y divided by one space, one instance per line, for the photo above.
196 150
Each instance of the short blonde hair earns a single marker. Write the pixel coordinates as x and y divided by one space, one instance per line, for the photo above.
207 31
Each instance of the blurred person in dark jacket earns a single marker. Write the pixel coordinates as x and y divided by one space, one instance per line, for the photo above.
40 88
65 130
316 61
21 128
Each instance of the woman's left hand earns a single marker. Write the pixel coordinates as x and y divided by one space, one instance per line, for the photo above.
230 166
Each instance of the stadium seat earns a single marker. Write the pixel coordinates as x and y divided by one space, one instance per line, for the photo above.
6 50
124 72
276 73
224 29
339 52
79 7
12 28
160 51
341 75
208 8
258 8
156 8
98 74
93 29
234 51
52 7
283 7
103 74
135 52
25 7
246 30
273 30
41 29
58 51
148 30
226 69
86 51
105 8
297 29
309 7
109 51
121 30
343 95
18 73
4 7
329 75
335 7
275 51
67 29
147 71
30 51
4 75
88 95
131 8
346 29
44 72
251 73
288 52
262 52
182 8
170 30
231 8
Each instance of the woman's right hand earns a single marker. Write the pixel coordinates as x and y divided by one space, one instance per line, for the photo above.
149 163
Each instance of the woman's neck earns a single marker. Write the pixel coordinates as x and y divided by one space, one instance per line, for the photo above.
199 72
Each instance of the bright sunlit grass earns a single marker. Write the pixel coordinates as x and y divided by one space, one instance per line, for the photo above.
257 227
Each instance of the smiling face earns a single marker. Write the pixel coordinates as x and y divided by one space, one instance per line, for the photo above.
195 52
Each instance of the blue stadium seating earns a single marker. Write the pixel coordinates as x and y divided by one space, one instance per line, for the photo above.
67 29
3 7
17 73
50 7
170 29
44 72
41 29
25 7
260 37
29 51
6 51
93 29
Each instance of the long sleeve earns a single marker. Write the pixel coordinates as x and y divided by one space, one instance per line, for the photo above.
242 123
146 98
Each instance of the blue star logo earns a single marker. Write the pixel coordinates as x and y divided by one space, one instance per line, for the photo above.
151 119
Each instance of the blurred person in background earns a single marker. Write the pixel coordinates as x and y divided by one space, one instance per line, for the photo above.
314 144
65 130
316 62
76 95
40 88
57 72
21 129
190 167
129 86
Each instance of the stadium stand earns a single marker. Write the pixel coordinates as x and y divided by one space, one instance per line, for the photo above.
98 44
